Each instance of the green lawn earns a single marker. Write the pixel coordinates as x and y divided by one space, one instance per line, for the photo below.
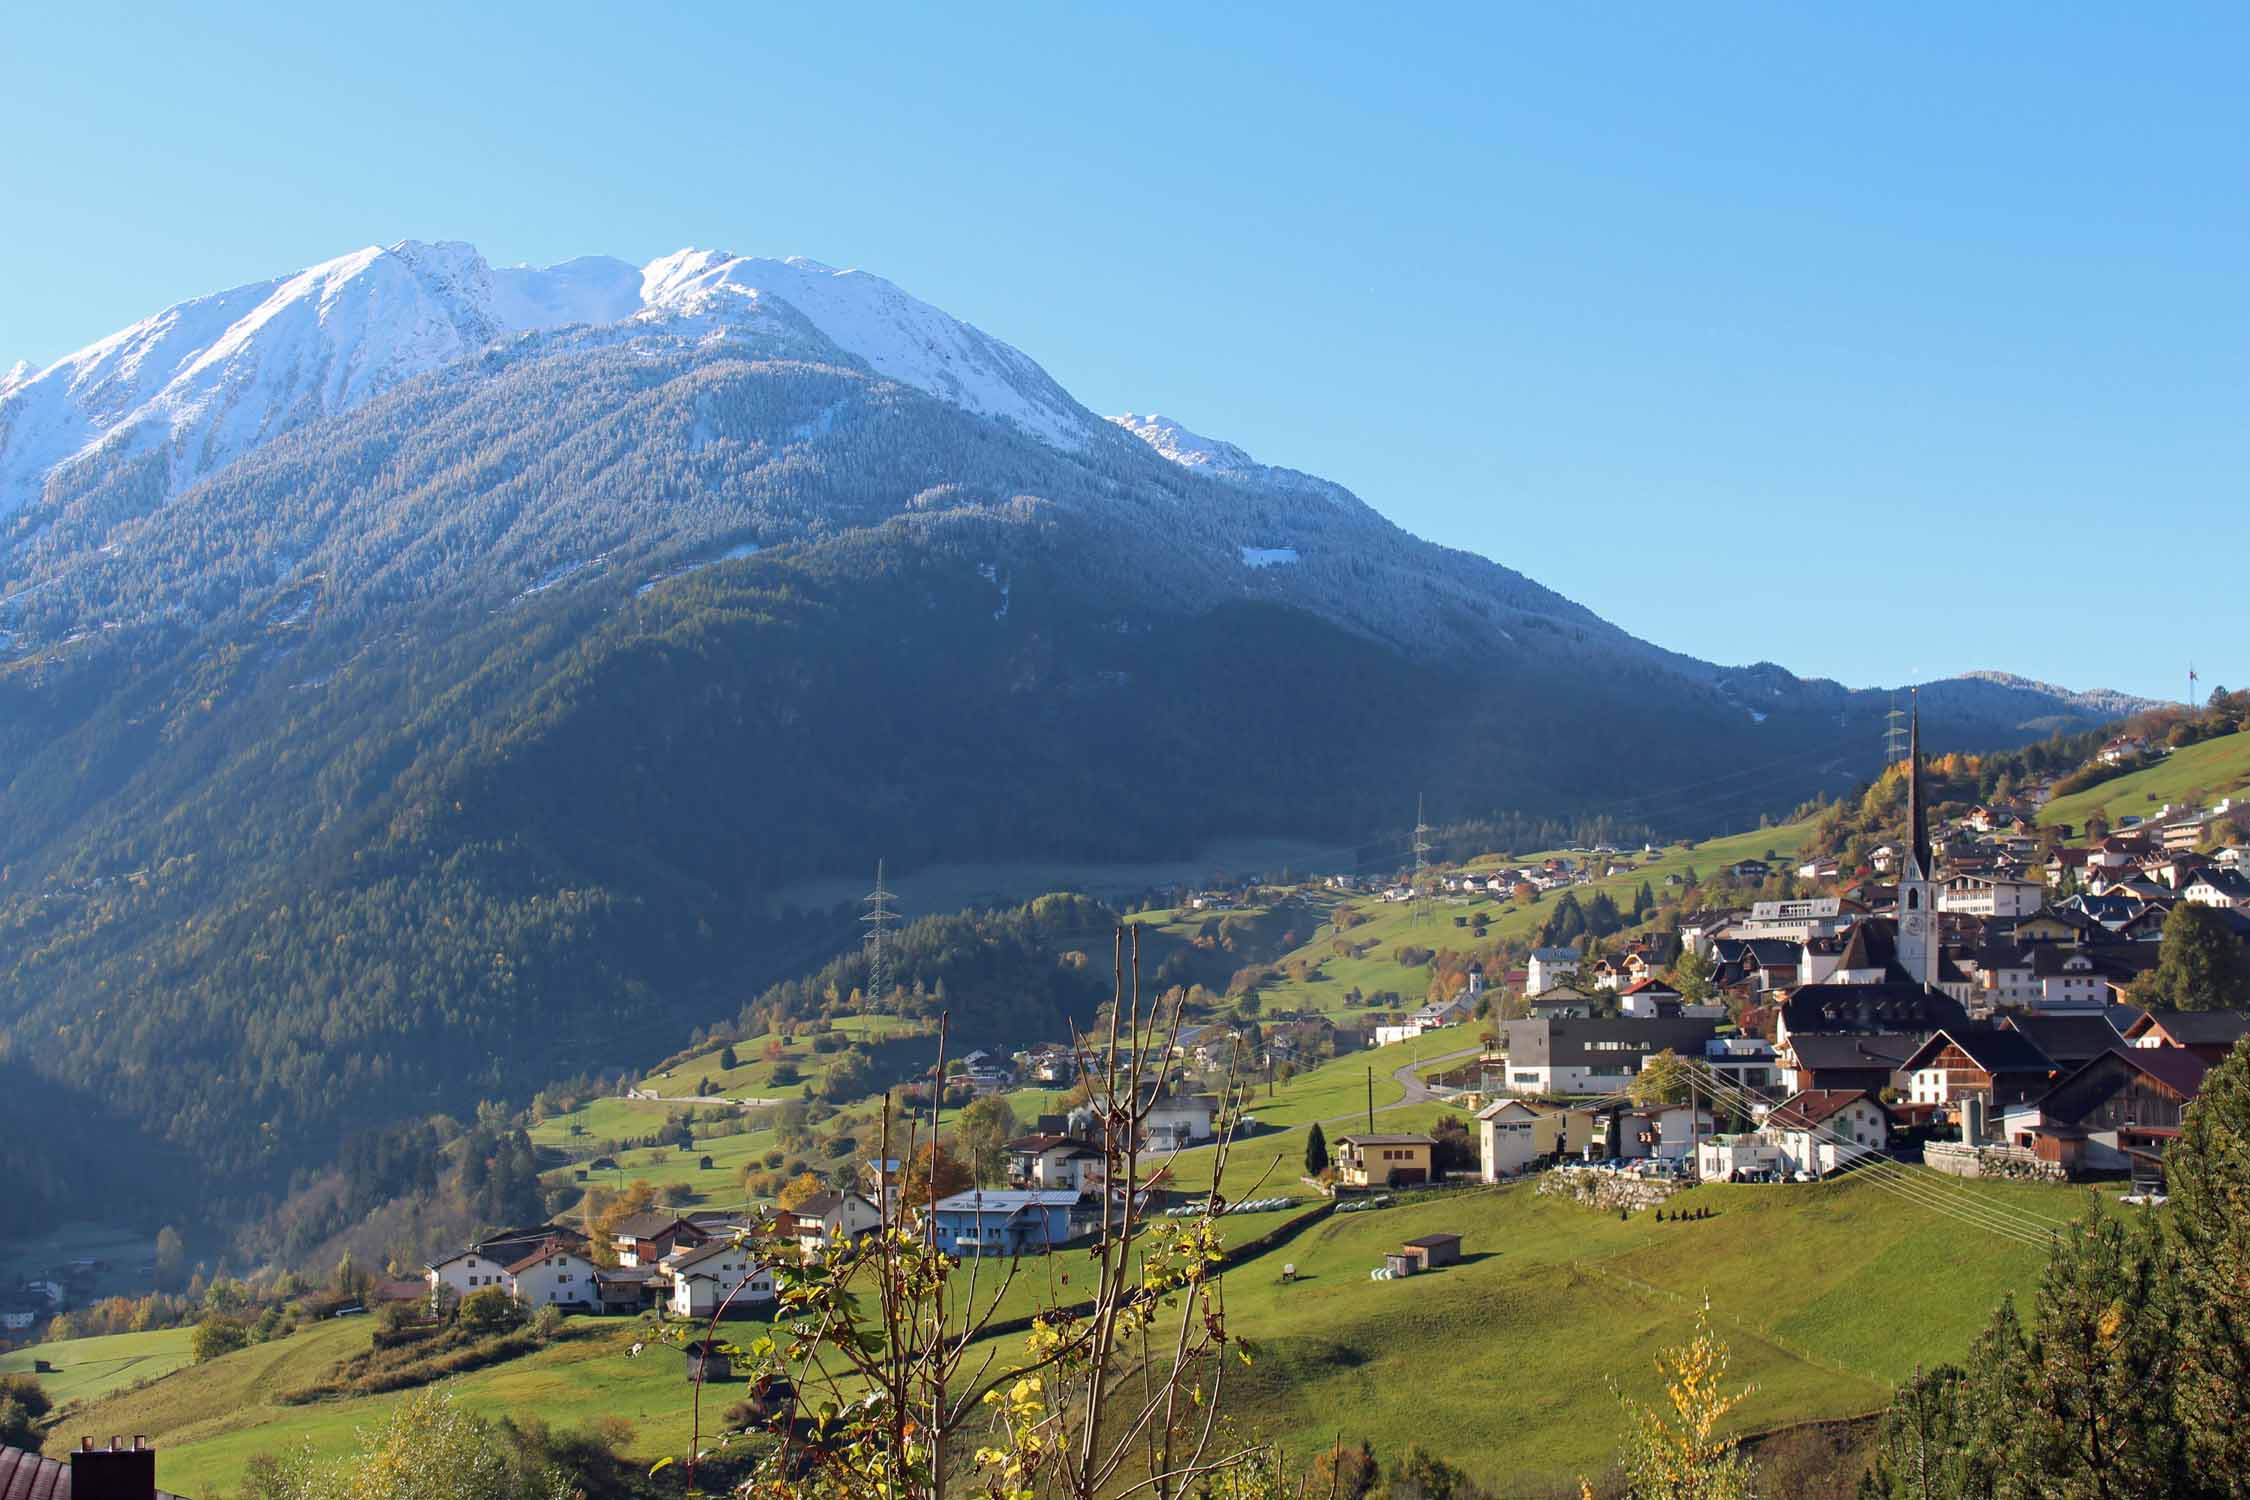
89 1369
1829 1294
1506 1363
2214 768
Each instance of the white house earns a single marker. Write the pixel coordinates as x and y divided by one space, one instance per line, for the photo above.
465 1271
1511 1135
1399 1031
1991 896
1667 1132
1549 968
1723 1158
552 1275
828 1219
1061 1162
1820 1130
703 1277
2228 890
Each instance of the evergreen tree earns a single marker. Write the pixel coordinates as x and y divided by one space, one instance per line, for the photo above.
2201 965
2096 1418
2208 1172
1316 1151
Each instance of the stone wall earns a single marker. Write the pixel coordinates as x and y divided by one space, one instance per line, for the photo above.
2012 1162
1609 1191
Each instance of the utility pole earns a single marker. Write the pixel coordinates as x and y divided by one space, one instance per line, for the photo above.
2191 685
1370 1101
879 919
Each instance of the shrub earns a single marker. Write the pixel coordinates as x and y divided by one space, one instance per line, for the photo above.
489 1311
217 1335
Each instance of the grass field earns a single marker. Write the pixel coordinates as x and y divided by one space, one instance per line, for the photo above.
2215 767
1506 1362
1389 926
89 1369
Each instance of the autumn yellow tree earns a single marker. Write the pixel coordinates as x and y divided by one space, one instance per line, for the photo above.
1674 1451
800 1188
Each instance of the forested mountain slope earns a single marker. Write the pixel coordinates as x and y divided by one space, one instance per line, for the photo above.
450 739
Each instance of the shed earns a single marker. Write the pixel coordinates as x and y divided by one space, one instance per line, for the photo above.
1399 1263
1430 1251
707 1361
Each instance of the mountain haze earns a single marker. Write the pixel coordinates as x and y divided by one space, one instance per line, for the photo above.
415 676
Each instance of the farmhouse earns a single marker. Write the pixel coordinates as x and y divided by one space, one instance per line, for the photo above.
1063 1162
2115 1113
826 1220
2001 1067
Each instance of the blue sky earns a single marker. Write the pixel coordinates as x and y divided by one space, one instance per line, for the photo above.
1882 345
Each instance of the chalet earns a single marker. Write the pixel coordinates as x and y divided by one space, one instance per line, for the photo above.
1062 1162
2228 890
703 1278
827 1220
2126 747
1647 999
2115 1113
1513 1134
1004 1221
2001 1066
2209 1034
1385 1160
1573 1056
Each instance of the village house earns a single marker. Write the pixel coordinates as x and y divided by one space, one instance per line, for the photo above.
1061 1162
2227 890
2208 1034
2001 1066
1990 896
827 1220
552 1275
1513 1134
1666 1132
1823 1130
483 1265
699 1279
1384 1160
643 1239
1550 967
1561 1002
1572 1056
2115 1113
1004 1221
1830 1062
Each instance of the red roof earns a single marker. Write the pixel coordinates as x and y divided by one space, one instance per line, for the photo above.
1808 1107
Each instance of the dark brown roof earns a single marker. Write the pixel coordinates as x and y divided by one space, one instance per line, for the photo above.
32 1476
2196 1028
1433 1241
1989 1047
1807 1108
538 1254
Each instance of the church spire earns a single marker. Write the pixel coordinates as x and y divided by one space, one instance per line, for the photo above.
1917 823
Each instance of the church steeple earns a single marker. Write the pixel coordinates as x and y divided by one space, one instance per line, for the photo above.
1917 889
1918 826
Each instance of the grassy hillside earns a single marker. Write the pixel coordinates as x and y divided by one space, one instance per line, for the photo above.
1392 925
1505 1363
89 1369
2213 768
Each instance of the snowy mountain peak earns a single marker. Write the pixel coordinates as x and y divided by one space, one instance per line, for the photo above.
17 373
1188 449
204 382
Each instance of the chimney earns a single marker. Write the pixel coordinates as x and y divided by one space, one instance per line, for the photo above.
113 1473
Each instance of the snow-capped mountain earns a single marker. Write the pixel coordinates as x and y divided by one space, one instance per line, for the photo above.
207 381
1223 460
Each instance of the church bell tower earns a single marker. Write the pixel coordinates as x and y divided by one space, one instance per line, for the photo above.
1918 936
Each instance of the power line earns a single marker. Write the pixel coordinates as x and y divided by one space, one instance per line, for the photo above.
1421 865
1894 734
